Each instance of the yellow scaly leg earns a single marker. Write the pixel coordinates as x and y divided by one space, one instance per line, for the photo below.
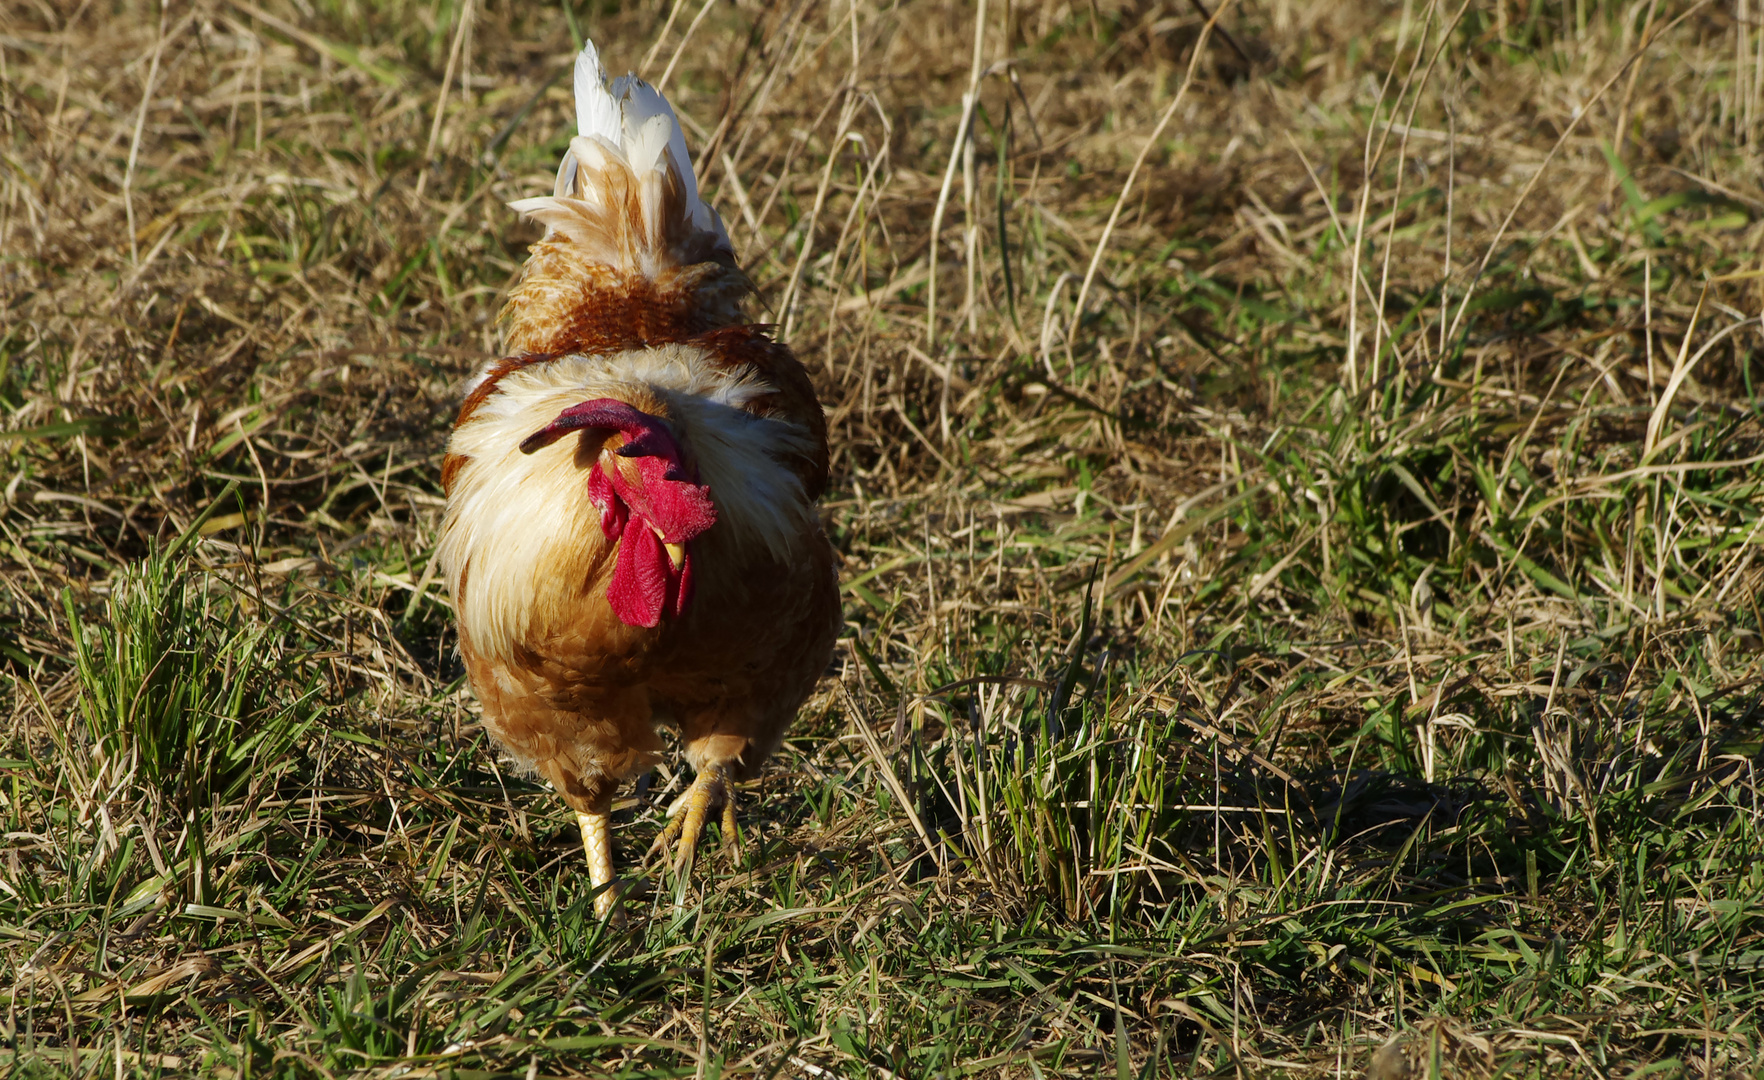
597 844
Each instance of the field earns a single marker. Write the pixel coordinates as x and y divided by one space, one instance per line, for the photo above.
1298 480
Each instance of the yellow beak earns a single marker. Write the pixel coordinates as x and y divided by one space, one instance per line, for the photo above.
676 554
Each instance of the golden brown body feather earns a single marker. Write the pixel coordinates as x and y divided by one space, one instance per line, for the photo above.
578 696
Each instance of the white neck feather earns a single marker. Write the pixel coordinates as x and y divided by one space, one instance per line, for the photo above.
514 517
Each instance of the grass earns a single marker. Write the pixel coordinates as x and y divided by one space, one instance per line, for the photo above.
1298 486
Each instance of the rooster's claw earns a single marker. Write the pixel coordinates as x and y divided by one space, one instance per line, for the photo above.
687 816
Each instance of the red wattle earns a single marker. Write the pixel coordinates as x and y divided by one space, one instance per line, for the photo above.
641 580
613 511
680 586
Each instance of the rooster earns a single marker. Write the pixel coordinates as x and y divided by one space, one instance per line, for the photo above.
631 533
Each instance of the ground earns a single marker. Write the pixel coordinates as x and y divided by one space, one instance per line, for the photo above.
1297 481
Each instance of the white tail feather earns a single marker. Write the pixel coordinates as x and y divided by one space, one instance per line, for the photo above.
596 111
627 126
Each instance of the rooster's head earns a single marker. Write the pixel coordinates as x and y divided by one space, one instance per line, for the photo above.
641 479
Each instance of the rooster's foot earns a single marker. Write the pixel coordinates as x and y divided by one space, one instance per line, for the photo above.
686 817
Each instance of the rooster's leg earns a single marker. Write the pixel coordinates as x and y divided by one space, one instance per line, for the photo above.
689 811
596 823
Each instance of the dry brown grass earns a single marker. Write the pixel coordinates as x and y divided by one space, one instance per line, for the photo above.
1400 568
